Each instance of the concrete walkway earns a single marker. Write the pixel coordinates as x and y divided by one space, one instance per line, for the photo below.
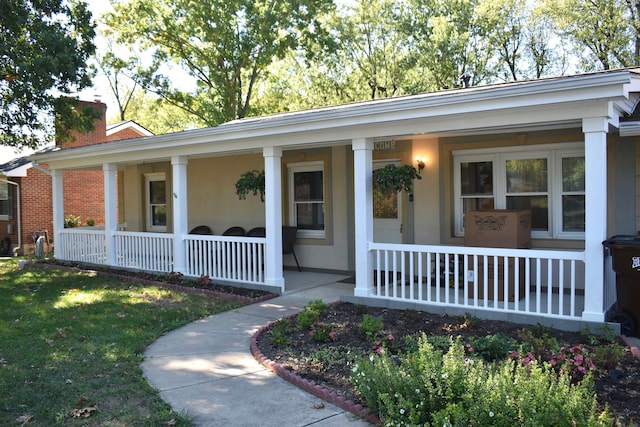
205 370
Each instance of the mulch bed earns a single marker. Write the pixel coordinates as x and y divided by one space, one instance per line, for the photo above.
618 386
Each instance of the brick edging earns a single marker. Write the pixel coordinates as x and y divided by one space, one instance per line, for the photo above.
307 385
635 351
186 289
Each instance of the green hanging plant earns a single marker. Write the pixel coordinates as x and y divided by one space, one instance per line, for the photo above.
251 182
395 178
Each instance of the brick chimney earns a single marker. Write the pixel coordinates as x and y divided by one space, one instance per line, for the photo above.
98 134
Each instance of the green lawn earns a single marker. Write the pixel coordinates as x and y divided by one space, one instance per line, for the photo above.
71 345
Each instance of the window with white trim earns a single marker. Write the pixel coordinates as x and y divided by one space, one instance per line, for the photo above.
548 181
306 198
156 197
6 201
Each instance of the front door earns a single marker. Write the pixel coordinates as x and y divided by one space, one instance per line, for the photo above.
387 212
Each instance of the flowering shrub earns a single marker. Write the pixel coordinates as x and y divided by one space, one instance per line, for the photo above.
429 387
395 178
386 343
573 361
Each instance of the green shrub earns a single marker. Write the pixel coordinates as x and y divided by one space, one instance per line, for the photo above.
493 347
311 314
280 333
317 305
71 221
429 387
307 318
607 356
370 326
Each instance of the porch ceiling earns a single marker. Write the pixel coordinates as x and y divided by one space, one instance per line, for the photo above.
520 106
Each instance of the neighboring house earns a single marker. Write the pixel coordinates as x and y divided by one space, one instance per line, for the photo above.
564 148
25 191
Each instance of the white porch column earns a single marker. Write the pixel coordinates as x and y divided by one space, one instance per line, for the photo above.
363 201
273 216
57 190
110 210
595 149
180 212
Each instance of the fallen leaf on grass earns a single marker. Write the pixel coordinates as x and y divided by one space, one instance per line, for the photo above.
83 412
24 419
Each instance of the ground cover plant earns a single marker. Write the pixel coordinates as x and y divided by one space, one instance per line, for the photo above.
71 343
415 368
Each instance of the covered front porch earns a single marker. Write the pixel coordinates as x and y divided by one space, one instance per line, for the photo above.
565 278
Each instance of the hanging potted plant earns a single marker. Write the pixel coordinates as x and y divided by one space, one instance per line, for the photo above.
251 182
392 178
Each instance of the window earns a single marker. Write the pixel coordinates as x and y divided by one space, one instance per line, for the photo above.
306 195
156 193
549 182
6 201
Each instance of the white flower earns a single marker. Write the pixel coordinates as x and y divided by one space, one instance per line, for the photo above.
491 414
402 411
371 357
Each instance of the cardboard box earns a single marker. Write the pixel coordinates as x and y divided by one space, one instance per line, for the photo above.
479 278
498 228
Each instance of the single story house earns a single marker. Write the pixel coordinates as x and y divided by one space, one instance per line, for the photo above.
563 149
26 210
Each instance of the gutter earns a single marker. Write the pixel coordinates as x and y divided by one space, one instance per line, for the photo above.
15 250
40 168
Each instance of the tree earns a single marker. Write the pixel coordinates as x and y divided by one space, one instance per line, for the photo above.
121 76
608 29
372 47
447 43
157 115
44 48
226 45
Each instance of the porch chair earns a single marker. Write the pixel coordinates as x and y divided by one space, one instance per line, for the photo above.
234 231
202 230
257 232
289 235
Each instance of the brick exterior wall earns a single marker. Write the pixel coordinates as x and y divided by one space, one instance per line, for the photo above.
37 207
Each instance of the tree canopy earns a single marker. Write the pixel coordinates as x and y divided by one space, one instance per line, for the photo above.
44 48
258 57
225 45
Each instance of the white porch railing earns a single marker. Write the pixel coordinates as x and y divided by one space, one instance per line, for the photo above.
229 258
82 245
549 283
144 251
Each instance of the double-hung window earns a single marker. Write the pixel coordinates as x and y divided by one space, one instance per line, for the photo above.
306 196
548 181
6 202
156 193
